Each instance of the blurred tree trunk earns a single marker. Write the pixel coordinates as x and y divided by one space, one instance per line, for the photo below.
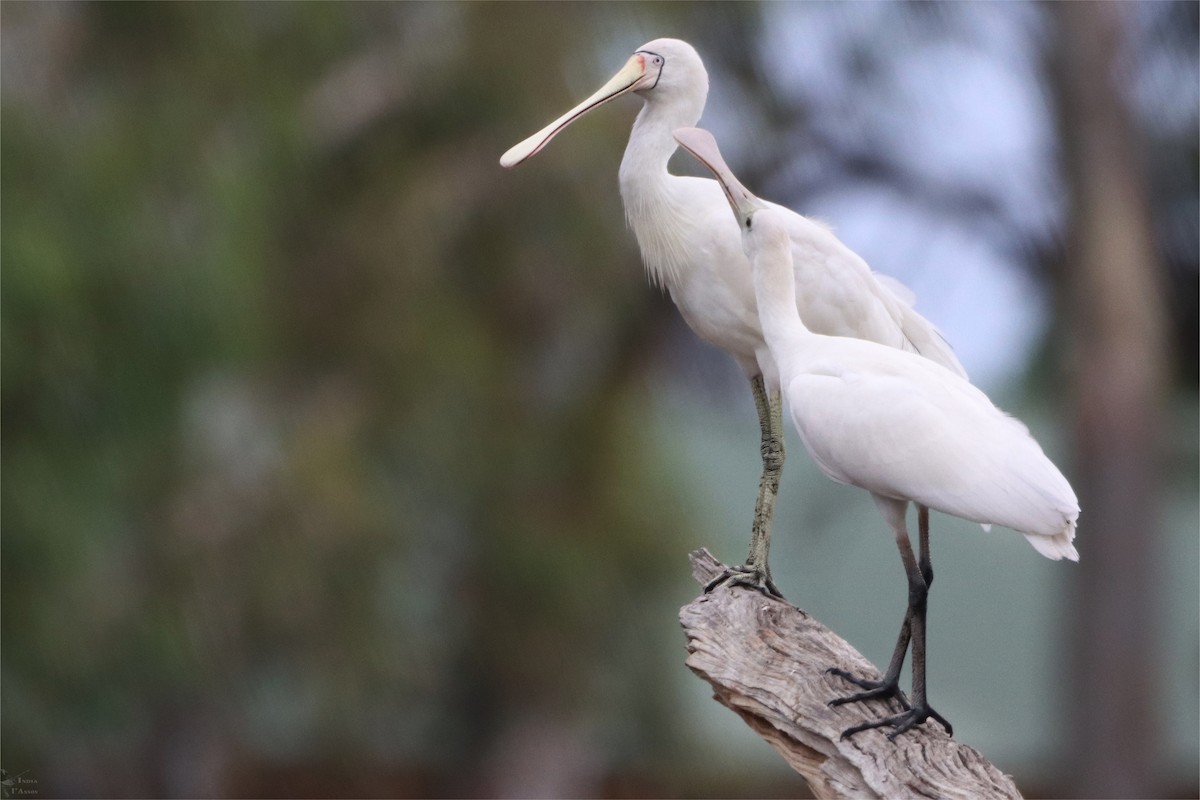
1115 319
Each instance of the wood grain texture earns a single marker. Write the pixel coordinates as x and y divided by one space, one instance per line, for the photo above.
767 661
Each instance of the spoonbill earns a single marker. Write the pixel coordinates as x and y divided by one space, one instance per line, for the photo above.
902 427
691 247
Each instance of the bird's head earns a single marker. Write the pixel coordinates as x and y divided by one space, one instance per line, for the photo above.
701 144
661 71
680 77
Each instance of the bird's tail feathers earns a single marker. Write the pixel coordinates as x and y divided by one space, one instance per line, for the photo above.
1051 530
1058 546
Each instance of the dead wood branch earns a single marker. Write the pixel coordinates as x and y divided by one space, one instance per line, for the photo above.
767 661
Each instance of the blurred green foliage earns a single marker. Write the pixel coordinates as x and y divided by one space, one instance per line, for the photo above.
318 437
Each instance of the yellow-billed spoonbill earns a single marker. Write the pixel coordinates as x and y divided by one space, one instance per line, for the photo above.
691 246
902 427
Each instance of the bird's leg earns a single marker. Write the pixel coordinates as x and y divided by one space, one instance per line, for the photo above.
920 701
772 452
890 685
924 563
916 571
756 572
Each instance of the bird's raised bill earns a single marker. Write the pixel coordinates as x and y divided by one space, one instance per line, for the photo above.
641 69
701 144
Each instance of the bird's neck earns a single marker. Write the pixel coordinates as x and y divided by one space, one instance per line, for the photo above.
650 142
646 189
775 294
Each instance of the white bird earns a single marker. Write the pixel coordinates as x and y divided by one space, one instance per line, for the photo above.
902 427
691 246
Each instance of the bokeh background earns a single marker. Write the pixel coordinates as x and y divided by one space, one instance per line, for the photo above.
338 461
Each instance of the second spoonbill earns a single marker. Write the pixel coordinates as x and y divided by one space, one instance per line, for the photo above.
902 427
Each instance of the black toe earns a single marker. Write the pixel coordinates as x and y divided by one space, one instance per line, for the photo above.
750 577
902 722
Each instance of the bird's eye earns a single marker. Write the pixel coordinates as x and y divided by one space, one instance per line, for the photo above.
658 60
748 222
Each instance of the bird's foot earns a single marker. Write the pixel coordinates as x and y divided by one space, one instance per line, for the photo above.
900 723
873 690
746 575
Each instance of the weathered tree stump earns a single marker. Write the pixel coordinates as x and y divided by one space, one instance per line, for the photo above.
767 661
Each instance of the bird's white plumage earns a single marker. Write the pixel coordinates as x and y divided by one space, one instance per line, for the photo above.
903 427
690 243
900 426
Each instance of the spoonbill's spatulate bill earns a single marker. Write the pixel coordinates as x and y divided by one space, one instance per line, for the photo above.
902 427
690 245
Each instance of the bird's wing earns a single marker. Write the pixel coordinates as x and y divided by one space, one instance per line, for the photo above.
901 292
901 426
920 335
880 306
927 340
